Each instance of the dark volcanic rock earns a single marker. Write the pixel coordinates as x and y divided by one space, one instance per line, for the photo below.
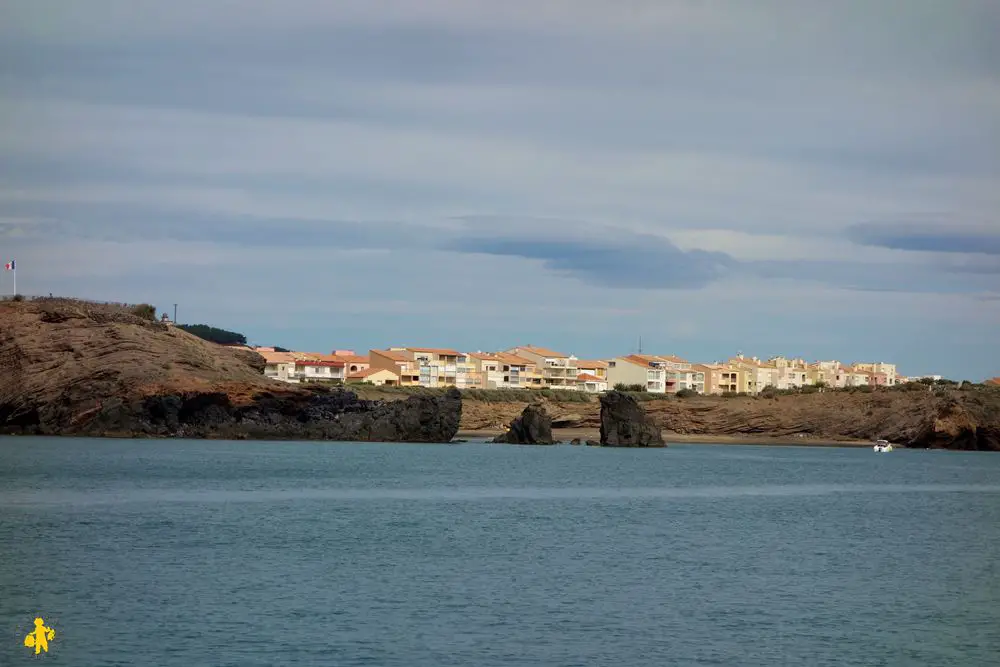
624 423
533 427
307 415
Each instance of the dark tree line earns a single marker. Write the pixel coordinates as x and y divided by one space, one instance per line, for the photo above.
214 334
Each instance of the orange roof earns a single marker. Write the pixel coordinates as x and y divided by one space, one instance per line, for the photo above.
542 352
317 356
513 359
642 359
591 363
673 358
995 380
391 354
587 377
354 358
435 350
277 357
370 371
485 356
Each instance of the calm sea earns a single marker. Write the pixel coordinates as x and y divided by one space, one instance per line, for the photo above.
188 553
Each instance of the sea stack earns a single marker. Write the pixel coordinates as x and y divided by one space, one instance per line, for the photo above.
625 424
533 427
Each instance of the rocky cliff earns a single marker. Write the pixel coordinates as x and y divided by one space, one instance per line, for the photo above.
942 418
77 368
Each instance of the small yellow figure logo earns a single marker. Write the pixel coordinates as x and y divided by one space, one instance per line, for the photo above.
40 637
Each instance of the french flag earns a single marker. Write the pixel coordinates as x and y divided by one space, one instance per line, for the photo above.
10 266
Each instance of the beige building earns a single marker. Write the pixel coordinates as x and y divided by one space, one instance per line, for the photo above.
639 369
792 373
693 379
405 368
595 367
355 362
431 366
825 372
519 372
758 374
488 367
724 378
556 370
375 376
591 383
279 365
302 367
880 368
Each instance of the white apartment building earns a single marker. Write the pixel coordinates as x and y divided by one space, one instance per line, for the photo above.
556 370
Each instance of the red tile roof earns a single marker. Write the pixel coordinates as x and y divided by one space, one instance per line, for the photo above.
591 363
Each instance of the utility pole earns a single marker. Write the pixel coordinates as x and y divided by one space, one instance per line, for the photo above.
640 344
175 313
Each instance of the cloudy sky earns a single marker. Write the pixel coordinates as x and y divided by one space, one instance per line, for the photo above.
778 176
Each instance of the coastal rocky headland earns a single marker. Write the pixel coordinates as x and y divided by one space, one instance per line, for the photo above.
77 368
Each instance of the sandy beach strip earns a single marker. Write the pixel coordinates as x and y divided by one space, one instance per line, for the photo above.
584 434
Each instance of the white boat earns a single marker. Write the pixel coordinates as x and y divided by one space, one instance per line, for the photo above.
882 446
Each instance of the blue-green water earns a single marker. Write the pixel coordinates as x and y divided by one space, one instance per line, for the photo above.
220 553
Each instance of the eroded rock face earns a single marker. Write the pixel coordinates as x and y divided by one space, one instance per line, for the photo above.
953 427
76 368
625 424
317 415
533 427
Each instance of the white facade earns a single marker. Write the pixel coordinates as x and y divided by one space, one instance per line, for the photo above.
557 371
319 371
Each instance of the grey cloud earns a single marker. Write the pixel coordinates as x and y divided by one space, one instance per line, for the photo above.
923 237
140 223
875 276
640 262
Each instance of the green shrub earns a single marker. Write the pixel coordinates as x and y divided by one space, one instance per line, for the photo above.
636 388
18 297
686 393
145 311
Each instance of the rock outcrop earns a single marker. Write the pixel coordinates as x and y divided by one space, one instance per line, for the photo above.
915 417
76 368
625 424
532 427
318 414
